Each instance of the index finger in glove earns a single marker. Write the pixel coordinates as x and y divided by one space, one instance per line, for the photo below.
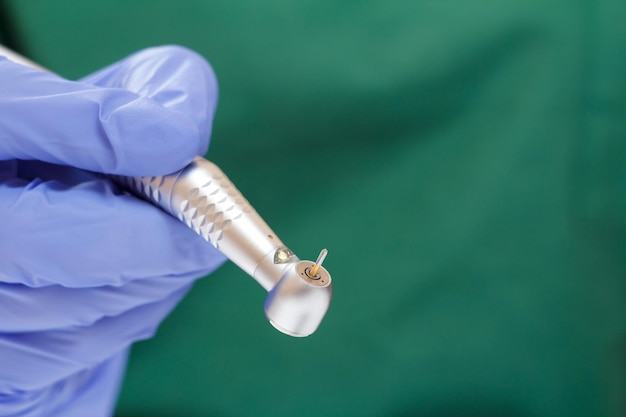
173 76
153 130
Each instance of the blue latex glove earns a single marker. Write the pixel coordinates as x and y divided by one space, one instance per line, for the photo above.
86 269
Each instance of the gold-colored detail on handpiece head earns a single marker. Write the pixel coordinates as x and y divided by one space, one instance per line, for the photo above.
318 263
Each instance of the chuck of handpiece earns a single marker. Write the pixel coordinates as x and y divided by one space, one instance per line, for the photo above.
300 299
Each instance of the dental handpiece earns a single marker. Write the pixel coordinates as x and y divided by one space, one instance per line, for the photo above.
202 197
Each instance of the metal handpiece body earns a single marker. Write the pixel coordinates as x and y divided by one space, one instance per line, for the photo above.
202 196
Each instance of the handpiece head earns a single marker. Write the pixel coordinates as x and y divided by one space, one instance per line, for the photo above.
299 300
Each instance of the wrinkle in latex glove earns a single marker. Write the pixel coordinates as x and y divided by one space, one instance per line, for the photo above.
123 128
86 269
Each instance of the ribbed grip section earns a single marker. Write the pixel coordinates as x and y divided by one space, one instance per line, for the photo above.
149 188
211 208
202 197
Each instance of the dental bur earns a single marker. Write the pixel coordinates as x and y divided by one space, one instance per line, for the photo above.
202 197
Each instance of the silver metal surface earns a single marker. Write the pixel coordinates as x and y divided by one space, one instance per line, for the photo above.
201 196
15 57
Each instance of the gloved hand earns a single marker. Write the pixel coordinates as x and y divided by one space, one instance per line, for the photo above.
86 269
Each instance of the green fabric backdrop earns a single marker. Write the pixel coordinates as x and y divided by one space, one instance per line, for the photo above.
464 162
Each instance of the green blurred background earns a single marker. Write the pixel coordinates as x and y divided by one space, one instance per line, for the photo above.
464 162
